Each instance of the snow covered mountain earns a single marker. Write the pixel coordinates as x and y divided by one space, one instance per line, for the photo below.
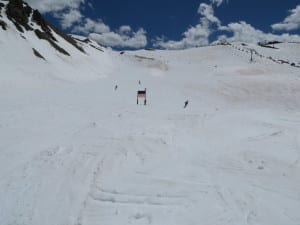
76 150
26 39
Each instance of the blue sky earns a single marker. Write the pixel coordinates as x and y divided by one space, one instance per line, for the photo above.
173 24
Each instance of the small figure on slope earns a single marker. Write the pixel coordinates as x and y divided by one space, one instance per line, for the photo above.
186 103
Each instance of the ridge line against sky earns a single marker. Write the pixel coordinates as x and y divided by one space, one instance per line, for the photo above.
71 16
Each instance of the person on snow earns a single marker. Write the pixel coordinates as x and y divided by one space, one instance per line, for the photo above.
116 87
186 103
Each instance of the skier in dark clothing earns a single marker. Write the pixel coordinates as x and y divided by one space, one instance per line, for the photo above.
186 103
116 87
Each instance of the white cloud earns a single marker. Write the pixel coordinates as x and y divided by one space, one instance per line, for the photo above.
69 13
292 22
196 35
69 18
193 37
244 32
216 2
45 6
91 26
128 39
124 29
199 34
207 13
101 33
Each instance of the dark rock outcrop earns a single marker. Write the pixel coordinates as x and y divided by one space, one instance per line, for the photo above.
68 38
18 12
37 54
270 44
3 25
45 36
38 18
99 49
1 6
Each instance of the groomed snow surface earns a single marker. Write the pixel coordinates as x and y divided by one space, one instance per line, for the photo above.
75 151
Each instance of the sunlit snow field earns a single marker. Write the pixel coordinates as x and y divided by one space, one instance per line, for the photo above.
75 151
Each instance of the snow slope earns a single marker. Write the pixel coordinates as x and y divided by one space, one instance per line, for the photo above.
75 151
